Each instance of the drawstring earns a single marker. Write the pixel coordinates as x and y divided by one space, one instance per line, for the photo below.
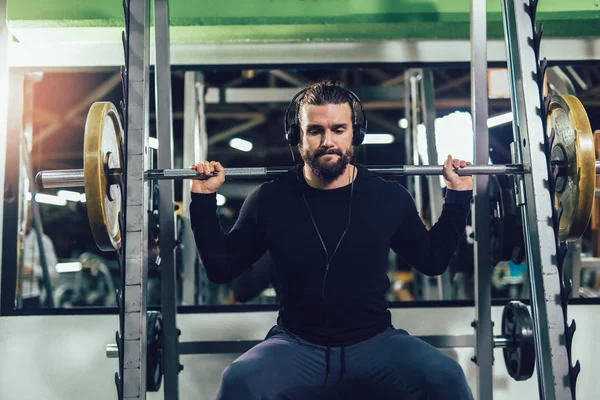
327 355
342 363
328 363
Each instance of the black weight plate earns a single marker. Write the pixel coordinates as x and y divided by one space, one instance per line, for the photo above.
506 232
519 357
154 352
496 220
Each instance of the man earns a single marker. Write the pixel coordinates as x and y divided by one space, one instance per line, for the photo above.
32 274
329 227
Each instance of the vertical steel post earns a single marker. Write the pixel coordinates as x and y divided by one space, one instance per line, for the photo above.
3 115
136 202
484 344
194 150
12 187
551 352
164 128
427 101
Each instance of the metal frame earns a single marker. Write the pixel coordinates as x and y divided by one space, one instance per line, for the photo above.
26 179
419 99
241 346
135 243
3 125
547 314
12 191
412 116
552 362
164 128
414 184
193 123
427 91
484 357
195 150
245 95
109 54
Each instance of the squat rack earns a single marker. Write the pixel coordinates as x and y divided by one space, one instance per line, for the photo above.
523 61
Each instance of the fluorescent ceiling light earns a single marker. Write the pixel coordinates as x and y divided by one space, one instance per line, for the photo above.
240 144
378 138
50 199
153 143
500 120
68 267
69 195
221 199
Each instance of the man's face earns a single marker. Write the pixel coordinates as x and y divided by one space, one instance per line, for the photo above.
326 143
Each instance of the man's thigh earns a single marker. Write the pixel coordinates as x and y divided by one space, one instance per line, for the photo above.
395 364
280 367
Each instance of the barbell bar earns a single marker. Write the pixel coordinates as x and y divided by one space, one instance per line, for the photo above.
64 178
572 161
516 342
235 346
75 177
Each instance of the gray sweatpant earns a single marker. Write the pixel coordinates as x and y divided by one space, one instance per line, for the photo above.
391 365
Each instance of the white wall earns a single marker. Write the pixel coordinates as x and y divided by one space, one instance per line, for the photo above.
63 357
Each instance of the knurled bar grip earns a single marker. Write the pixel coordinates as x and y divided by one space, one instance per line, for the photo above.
74 177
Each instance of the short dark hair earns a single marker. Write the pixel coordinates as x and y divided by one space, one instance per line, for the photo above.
326 92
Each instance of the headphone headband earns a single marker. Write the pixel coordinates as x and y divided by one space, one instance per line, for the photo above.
292 132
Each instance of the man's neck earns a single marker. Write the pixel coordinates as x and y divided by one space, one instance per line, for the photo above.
318 183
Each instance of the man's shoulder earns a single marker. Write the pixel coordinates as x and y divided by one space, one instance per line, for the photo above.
381 183
280 185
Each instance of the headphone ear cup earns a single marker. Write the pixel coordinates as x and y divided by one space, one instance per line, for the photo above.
359 135
293 135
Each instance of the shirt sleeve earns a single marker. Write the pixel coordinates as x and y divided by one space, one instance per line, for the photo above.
253 281
226 255
430 250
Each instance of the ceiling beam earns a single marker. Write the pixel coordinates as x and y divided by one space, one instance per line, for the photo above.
226 134
444 87
293 79
397 80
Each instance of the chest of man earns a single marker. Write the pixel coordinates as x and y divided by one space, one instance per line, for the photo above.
304 237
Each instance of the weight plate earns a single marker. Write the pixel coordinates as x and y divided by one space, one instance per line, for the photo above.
506 231
103 150
154 354
519 355
574 146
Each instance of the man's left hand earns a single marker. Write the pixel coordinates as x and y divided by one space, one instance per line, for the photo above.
453 180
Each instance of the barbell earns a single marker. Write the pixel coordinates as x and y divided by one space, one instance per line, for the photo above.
572 164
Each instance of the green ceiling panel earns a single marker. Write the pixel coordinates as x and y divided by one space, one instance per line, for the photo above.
226 20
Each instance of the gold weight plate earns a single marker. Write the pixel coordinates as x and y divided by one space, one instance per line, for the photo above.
103 150
574 142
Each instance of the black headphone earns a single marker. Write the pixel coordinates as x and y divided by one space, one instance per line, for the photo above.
292 132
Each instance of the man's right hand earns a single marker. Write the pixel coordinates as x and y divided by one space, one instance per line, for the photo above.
212 184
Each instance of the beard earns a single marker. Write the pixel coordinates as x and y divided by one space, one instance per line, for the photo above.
327 171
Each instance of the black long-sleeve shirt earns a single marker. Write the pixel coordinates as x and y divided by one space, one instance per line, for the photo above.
347 305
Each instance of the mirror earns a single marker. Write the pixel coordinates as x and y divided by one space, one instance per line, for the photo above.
248 106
